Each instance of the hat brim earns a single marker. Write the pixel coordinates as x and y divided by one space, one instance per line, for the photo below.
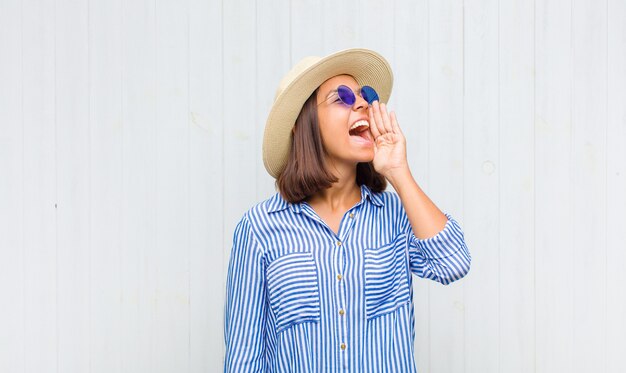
366 66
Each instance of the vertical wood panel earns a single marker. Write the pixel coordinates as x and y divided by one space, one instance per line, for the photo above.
139 207
40 271
481 174
11 188
553 191
616 185
589 118
207 241
411 82
172 194
306 23
445 170
516 187
105 118
339 25
73 133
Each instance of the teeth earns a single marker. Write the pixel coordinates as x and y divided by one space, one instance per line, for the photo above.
360 124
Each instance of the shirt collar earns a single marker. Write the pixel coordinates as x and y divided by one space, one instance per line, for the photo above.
373 197
278 203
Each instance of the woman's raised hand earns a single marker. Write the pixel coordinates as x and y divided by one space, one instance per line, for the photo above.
389 141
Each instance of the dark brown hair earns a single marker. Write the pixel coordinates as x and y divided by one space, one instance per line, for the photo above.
306 173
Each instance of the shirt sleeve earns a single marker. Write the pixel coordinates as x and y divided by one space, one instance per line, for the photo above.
444 257
245 312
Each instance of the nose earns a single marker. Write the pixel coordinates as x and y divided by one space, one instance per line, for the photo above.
360 103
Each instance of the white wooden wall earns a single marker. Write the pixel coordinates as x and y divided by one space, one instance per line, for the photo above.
130 146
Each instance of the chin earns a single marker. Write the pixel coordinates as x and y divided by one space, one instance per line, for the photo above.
366 157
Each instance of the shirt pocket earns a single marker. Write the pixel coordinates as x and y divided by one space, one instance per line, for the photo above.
293 290
386 278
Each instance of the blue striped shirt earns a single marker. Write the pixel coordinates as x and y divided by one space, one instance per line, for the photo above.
301 298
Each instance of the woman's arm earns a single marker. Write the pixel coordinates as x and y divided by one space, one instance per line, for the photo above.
436 246
390 160
426 219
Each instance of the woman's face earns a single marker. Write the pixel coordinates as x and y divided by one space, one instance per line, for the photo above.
343 144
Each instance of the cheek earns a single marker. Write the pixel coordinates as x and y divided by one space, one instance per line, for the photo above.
333 124
332 136
333 130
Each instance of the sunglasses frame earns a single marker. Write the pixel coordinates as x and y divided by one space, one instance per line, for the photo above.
363 92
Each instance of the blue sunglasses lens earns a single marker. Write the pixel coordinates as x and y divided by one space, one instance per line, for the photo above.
369 94
346 95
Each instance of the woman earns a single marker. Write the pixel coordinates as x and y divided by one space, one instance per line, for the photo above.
320 273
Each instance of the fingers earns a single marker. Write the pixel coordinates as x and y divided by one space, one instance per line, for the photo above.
380 120
385 117
373 125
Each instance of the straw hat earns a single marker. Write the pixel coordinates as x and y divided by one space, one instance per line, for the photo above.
366 66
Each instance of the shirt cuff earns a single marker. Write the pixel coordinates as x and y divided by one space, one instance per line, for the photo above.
445 243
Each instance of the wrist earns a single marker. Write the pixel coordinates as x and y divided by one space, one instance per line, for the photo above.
399 176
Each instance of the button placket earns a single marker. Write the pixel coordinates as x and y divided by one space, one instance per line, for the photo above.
342 297
346 226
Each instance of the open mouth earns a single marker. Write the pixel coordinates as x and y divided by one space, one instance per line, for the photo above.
360 129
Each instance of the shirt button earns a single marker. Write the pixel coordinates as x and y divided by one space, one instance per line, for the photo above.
338 243
343 346
339 277
351 216
342 312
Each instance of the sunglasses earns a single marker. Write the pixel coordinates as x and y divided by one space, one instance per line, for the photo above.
346 95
